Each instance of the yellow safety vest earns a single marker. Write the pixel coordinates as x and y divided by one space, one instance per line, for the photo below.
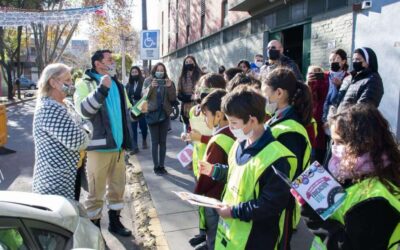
243 186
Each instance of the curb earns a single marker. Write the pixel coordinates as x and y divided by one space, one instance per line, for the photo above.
8 103
154 224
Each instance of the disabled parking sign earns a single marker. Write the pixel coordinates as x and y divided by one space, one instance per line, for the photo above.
150 45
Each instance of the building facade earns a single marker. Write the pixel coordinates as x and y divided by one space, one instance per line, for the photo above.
223 32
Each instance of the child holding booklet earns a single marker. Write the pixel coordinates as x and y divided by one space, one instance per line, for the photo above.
255 196
216 152
199 135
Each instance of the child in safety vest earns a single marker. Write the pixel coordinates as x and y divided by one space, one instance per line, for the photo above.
216 152
199 135
254 195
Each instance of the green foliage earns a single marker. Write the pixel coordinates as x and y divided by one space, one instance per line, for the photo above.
118 60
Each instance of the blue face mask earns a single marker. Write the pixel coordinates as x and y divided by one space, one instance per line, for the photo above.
159 75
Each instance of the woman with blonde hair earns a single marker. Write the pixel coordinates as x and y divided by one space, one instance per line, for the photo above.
58 132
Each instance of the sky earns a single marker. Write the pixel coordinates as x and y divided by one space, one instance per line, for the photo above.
152 18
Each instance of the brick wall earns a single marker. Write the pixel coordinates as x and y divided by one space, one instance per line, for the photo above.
328 32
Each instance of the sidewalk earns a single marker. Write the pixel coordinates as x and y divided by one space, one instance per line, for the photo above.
179 220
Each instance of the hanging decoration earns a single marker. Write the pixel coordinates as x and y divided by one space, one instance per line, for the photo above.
17 17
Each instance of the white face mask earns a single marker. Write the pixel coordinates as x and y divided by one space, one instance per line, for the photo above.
270 107
240 135
111 69
259 64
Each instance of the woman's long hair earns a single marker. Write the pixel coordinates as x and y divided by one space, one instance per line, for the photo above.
197 73
299 94
140 75
363 129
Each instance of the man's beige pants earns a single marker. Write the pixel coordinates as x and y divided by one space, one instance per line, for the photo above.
106 176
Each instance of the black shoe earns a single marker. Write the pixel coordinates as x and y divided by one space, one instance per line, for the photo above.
163 170
197 239
157 171
134 151
145 144
116 226
96 222
201 246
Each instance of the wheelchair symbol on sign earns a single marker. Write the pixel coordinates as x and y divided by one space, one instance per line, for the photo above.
148 42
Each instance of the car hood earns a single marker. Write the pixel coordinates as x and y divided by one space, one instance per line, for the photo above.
50 208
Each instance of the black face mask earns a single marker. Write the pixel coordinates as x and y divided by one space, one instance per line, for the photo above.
357 66
273 54
135 77
335 67
189 66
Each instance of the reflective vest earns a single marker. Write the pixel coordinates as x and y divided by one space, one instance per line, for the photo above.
224 141
364 190
199 148
243 186
289 126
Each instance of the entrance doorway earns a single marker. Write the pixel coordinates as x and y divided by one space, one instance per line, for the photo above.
296 42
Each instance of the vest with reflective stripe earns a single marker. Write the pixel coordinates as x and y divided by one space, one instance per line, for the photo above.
199 148
364 190
243 186
289 126
224 141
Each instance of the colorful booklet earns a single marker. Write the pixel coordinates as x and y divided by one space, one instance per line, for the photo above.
137 108
318 188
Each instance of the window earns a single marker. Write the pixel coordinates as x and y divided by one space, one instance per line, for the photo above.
298 11
50 240
225 13
187 33
212 41
11 238
282 16
195 48
203 16
335 4
315 7
237 31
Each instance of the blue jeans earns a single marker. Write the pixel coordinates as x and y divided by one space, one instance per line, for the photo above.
143 128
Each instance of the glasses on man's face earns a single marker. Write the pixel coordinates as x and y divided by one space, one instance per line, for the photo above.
271 47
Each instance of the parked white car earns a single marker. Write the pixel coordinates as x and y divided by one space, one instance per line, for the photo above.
34 221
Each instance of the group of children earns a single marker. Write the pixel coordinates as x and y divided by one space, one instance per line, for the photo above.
248 130
233 164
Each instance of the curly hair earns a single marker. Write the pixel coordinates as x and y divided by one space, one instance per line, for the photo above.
363 129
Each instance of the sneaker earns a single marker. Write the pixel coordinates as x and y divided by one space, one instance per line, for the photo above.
201 246
197 239
163 170
157 171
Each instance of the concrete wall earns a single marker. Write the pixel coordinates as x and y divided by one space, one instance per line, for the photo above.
228 54
328 32
379 29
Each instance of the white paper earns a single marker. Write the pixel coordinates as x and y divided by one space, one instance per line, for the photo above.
199 200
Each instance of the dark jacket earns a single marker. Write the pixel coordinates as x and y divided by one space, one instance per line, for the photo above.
89 99
331 96
134 95
368 226
168 93
364 87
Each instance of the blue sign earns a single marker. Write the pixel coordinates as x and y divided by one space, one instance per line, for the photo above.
149 39
149 45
